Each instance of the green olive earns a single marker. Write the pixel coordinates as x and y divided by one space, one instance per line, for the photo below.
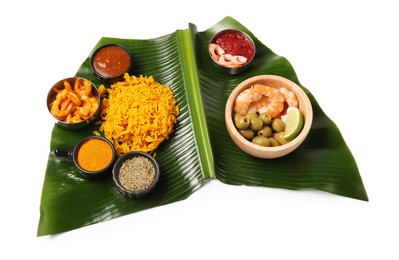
251 115
236 116
256 123
280 138
273 142
260 140
266 131
278 125
247 133
242 122
266 118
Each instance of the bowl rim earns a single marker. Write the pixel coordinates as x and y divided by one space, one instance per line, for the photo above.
130 155
52 94
103 77
261 151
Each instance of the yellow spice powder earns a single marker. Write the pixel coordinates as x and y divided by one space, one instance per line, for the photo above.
94 155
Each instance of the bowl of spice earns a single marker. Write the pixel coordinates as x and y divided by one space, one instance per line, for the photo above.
136 174
110 62
231 51
93 156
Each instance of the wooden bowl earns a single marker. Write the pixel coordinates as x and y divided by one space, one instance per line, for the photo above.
261 151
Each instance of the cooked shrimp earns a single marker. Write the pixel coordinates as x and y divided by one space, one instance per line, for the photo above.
290 97
74 98
226 60
216 51
67 86
238 59
260 98
244 100
275 98
82 89
65 103
56 110
232 61
255 106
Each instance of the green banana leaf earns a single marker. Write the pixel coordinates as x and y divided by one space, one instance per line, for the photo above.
200 147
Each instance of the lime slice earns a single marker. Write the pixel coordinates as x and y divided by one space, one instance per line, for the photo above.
294 123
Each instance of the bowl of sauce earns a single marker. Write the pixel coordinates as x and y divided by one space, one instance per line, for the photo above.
110 62
231 51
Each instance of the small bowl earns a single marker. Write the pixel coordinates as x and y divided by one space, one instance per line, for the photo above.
127 191
228 64
91 167
261 151
60 86
110 62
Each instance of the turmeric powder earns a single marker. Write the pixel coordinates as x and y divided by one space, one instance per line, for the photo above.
94 155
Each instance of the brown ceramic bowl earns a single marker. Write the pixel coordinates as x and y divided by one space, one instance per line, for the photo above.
60 86
261 151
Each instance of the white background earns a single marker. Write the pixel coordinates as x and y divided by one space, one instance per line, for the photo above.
344 52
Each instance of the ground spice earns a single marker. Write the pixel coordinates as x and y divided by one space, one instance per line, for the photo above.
137 174
94 155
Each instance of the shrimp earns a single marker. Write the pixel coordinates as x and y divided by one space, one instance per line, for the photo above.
67 86
244 100
226 60
275 98
216 51
65 103
232 61
239 60
57 111
82 90
260 98
74 98
290 97
88 108
255 106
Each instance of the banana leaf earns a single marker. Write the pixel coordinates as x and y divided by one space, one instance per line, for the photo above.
200 148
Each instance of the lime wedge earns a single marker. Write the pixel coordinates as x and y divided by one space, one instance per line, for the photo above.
294 123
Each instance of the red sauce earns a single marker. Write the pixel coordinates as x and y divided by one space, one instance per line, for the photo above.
111 61
235 43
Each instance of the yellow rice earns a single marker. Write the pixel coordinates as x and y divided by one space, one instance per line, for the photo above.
138 114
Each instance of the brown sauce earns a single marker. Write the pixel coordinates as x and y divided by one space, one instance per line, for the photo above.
111 61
